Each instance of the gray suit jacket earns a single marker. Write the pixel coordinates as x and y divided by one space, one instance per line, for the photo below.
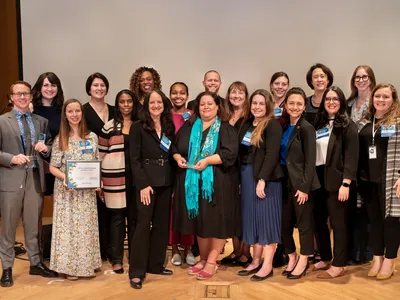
12 176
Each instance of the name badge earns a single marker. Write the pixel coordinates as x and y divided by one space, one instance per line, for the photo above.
86 147
42 138
372 152
247 139
323 132
278 112
165 143
186 116
387 131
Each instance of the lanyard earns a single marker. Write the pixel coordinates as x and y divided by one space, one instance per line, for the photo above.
373 131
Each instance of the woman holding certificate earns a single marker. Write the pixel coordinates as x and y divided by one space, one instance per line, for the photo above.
150 142
206 197
75 248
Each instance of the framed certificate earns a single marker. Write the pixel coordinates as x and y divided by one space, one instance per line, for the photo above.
83 174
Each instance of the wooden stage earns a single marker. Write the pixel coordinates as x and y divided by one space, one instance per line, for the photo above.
224 285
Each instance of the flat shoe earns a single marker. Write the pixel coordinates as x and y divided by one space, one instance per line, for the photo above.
261 278
243 263
136 285
194 270
320 269
229 260
203 275
190 260
326 275
119 271
72 278
249 272
176 259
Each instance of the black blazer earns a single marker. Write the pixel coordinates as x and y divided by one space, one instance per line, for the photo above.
144 144
266 157
301 156
341 157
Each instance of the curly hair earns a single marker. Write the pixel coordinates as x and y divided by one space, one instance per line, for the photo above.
134 84
341 120
58 100
167 125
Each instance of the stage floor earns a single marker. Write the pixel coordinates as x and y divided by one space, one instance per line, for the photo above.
224 285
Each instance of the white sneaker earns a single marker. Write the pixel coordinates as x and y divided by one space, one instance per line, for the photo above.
190 260
176 259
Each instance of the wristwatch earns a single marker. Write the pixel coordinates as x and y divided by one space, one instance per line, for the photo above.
345 184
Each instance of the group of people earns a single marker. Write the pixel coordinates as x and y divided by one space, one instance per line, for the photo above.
247 167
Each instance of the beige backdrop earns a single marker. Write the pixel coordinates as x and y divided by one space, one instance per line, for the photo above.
244 40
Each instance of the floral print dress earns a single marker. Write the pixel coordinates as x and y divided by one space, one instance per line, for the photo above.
75 248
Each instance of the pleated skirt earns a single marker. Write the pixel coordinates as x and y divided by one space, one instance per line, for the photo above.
261 218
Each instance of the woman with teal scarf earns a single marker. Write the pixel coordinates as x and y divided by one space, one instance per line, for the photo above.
205 195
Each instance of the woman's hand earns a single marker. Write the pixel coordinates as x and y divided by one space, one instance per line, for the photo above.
100 193
260 189
182 163
66 186
343 193
145 196
301 197
201 165
397 187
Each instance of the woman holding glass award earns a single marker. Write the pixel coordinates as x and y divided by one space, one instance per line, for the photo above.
204 201
75 249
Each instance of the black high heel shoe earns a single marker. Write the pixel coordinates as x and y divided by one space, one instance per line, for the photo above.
291 276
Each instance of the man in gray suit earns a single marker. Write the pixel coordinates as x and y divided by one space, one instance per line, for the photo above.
22 146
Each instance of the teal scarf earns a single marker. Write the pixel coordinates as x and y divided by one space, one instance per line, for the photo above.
192 180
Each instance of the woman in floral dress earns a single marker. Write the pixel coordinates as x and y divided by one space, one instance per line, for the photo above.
75 249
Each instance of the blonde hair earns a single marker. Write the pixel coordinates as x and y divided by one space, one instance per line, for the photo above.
393 113
256 137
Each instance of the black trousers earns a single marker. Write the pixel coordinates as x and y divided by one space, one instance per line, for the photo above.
151 234
385 231
358 249
104 230
120 220
327 204
293 213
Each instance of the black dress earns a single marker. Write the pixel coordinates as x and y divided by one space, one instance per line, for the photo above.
53 115
93 121
219 218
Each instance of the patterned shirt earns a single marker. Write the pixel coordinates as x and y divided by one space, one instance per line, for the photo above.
28 115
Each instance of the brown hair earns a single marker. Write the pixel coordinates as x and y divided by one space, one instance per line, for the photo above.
228 108
19 82
65 128
371 75
394 111
256 137
275 76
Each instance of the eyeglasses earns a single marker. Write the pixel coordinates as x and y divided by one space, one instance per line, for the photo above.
19 95
332 99
361 78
